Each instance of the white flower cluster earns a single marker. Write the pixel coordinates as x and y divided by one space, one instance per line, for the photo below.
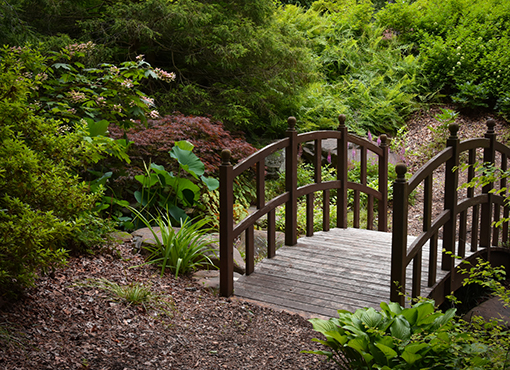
74 48
154 114
127 83
76 96
164 75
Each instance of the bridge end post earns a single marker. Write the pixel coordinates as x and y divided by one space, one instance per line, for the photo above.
399 236
450 200
291 183
341 221
226 225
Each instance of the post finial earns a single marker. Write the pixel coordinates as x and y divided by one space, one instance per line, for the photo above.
453 128
401 170
341 120
291 122
384 140
225 156
491 123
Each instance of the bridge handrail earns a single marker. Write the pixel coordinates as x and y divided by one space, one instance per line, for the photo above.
229 231
447 219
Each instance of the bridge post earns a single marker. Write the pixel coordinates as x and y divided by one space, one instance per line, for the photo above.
382 222
341 170
291 183
450 200
486 213
226 225
399 236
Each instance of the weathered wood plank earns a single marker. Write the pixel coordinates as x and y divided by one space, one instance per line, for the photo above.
339 269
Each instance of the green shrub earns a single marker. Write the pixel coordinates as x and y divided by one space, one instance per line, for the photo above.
462 45
44 205
399 338
367 74
420 337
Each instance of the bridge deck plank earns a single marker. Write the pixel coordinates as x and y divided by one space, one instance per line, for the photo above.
339 269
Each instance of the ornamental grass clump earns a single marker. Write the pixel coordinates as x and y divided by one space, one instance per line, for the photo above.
180 251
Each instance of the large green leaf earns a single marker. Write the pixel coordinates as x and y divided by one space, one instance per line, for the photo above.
165 177
188 161
147 181
371 318
401 329
98 128
210 182
177 213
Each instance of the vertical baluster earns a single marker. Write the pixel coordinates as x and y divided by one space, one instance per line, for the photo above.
325 204
383 185
250 250
504 167
450 201
271 234
475 213
416 289
486 220
291 184
309 214
427 221
355 218
342 174
370 214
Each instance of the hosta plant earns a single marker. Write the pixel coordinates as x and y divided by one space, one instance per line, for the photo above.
180 251
398 338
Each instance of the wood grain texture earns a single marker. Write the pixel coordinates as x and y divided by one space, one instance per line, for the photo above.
340 269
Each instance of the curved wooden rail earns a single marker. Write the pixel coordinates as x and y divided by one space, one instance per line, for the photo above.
484 209
229 231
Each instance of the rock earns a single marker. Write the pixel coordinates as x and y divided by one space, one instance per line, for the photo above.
491 309
210 278
121 236
239 265
260 243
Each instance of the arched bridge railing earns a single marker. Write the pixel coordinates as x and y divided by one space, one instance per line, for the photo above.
229 232
482 208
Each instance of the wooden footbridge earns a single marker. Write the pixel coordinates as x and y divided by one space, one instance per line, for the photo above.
350 268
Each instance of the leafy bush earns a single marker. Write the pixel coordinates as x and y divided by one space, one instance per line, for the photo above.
400 338
173 192
419 337
462 45
180 251
44 206
367 74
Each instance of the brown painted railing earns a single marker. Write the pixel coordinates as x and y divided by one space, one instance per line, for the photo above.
229 232
483 208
